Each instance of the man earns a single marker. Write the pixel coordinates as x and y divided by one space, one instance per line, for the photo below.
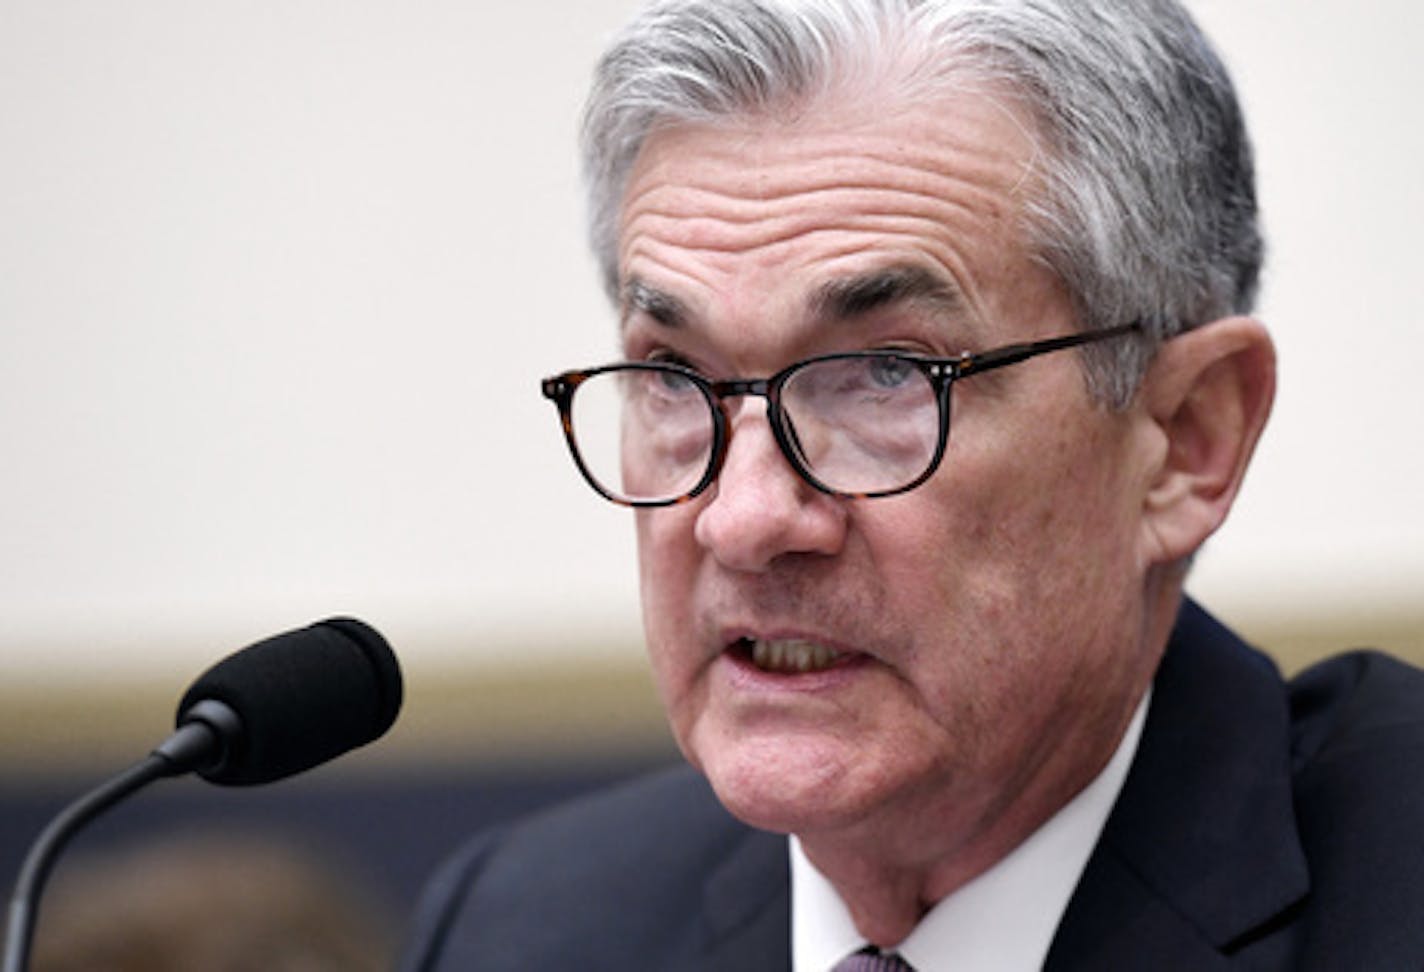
956 667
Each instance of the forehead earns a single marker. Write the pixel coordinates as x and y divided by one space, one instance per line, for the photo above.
775 211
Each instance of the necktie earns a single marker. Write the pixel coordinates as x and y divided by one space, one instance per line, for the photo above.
869 960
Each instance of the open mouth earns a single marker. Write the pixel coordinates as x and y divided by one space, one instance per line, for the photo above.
788 657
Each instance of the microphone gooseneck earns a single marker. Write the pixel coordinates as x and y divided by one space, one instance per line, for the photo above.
40 860
275 708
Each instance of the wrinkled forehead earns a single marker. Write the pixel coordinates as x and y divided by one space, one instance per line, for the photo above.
884 114
834 196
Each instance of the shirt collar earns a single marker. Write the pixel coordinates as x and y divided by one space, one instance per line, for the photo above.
1004 919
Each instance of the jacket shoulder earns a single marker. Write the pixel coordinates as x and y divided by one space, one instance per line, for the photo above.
580 884
1358 765
1359 700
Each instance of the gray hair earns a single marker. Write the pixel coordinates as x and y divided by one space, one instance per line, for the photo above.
1147 206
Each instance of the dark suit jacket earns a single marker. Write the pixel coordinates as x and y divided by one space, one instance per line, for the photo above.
1262 826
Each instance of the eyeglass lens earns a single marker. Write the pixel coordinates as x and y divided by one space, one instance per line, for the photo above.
857 424
861 424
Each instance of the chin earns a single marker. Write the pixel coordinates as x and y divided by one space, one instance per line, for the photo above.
784 787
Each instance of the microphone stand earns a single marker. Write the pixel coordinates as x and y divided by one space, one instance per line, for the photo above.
309 674
189 747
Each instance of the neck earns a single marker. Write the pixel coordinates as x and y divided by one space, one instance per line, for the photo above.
889 882
890 873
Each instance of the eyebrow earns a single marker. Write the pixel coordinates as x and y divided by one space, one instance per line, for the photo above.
660 305
843 298
855 296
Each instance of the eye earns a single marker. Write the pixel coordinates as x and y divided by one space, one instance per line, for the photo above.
885 371
673 381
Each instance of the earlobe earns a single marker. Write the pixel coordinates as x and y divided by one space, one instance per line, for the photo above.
1209 393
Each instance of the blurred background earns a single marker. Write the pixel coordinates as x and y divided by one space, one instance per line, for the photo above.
277 284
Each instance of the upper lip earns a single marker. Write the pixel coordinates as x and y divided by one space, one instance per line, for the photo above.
732 637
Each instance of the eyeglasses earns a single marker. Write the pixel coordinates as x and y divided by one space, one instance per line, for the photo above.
859 425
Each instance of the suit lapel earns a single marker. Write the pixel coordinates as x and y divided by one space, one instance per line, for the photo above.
1200 855
747 907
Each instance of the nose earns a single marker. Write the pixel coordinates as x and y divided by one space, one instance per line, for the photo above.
760 508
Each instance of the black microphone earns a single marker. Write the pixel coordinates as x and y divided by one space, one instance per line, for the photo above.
275 708
296 700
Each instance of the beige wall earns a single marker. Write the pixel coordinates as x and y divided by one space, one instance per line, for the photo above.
279 280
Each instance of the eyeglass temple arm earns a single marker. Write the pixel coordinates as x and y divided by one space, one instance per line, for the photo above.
1013 353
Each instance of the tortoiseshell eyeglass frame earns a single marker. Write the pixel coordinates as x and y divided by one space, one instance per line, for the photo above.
942 373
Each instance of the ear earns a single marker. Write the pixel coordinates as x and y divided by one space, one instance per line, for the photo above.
1209 393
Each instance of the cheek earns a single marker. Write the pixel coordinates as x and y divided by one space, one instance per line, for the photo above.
667 564
1013 541
1044 492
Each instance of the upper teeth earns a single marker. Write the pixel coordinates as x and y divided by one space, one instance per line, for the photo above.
792 656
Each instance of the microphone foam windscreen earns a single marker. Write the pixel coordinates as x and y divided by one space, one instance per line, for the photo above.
303 697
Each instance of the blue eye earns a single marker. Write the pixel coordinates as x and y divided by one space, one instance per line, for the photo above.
888 372
670 369
674 382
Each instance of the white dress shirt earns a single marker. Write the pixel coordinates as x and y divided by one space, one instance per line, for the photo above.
1003 920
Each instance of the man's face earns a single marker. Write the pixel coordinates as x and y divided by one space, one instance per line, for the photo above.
971 648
